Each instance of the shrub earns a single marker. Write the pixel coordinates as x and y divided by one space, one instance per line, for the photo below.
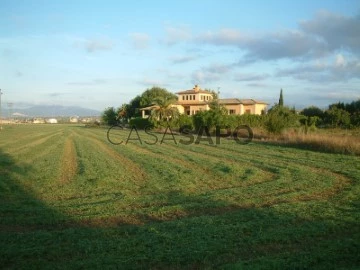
185 121
355 119
139 122
336 117
279 118
210 119
251 120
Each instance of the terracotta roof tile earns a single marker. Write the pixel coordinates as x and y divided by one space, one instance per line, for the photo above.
192 91
240 101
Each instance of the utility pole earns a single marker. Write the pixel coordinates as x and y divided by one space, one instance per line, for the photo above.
0 111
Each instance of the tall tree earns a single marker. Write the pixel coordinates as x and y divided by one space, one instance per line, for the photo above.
281 98
133 107
122 111
109 116
149 95
313 111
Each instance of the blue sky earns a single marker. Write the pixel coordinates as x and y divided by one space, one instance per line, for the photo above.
96 54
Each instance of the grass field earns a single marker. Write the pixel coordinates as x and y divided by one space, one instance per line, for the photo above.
71 199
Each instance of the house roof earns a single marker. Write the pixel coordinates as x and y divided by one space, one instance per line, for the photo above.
192 91
252 101
240 101
195 90
229 101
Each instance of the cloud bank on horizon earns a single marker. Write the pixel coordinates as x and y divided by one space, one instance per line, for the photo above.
100 54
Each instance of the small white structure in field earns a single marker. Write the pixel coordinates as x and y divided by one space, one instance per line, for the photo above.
38 121
86 120
74 119
52 121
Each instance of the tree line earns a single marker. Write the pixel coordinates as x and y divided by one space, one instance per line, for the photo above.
278 117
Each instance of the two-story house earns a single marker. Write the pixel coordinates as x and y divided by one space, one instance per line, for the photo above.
194 100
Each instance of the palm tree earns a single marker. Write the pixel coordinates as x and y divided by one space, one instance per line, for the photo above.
163 109
122 111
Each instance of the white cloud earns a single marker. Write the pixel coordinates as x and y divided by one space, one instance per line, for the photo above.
183 59
177 34
98 45
203 77
225 36
218 68
340 61
93 45
140 41
152 82
270 46
322 35
250 77
340 70
86 83
338 31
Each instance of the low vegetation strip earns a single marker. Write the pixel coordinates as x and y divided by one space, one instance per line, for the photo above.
132 168
84 203
69 163
327 143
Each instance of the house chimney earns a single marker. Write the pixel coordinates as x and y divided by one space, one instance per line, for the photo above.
196 88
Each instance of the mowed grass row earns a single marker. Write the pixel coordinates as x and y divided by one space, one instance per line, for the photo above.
71 199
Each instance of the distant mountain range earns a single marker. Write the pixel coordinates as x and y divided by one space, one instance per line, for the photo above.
53 111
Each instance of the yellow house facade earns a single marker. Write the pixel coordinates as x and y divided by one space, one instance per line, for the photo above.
194 100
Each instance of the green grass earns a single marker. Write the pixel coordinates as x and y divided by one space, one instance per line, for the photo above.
70 199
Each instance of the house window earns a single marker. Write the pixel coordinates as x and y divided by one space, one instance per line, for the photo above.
193 97
187 97
190 97
247 111
183 97
231 111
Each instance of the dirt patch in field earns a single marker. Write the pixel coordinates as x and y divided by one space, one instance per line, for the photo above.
69 164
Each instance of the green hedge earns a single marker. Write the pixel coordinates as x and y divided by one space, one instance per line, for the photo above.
139 122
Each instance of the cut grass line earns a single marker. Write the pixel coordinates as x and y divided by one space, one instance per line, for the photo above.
69 164
207 158
131 167
338 184
167 158
28 146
